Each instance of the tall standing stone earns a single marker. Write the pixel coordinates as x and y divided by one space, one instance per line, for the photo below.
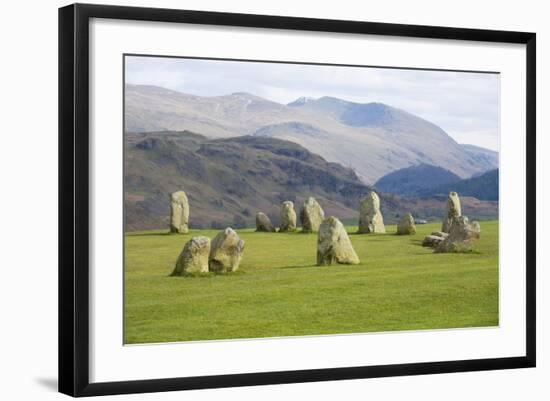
461 236
179 213
194 257
334 245
311 215
406 225
263 223
288 217
452 211
226 251
370 216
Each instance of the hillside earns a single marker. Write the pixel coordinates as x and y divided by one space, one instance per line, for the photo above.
373 139
413 180
484 187
228 180
484 157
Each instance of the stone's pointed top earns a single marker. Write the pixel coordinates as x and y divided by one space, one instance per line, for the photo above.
178 195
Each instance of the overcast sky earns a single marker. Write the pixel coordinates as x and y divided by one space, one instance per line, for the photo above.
465 105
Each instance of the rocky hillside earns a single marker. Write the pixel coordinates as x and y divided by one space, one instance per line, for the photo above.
411 181
228 180
374 139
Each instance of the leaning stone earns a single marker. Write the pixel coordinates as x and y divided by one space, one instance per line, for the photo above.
263 223
452 211
288 217
194 257
370 216
226 251
406 225
462 236
179 213
334 245
432 240
311 215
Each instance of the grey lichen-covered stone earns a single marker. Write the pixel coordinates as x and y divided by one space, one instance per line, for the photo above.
226 251
311 215
452 211
432 240
406 225
440 234
334 245
179 213
194 257
263 223
461 236
370 216
288 217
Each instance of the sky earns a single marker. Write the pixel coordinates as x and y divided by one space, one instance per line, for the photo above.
464 104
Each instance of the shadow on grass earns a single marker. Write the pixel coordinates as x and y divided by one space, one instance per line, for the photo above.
293 267
207 274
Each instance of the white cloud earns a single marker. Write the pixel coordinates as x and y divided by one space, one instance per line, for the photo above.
466 105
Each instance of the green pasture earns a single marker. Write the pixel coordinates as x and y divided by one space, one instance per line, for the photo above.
278 290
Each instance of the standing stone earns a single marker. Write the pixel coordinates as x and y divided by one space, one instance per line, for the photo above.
370 217
194 257
461 237
452 211
406 225
179 213
226 251
334 245
288 217
263 223
311 215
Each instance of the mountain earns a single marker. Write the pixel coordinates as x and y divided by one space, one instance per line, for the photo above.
373 139
484 157
228 180
483 187
411 181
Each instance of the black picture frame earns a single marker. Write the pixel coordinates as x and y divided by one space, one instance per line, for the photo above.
74 198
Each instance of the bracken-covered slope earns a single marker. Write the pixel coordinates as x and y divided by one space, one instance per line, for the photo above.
228 180
373 139
484 187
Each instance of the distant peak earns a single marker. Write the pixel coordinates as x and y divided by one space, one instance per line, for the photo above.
300 101
242 94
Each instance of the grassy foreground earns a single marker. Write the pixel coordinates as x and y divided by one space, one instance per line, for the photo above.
278 290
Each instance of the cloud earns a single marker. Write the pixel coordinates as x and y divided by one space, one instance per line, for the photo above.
465 105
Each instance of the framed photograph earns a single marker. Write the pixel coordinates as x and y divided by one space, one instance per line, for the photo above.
251 199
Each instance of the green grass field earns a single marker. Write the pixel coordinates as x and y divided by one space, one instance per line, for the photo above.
278 290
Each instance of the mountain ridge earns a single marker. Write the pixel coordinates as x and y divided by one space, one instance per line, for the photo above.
373 138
